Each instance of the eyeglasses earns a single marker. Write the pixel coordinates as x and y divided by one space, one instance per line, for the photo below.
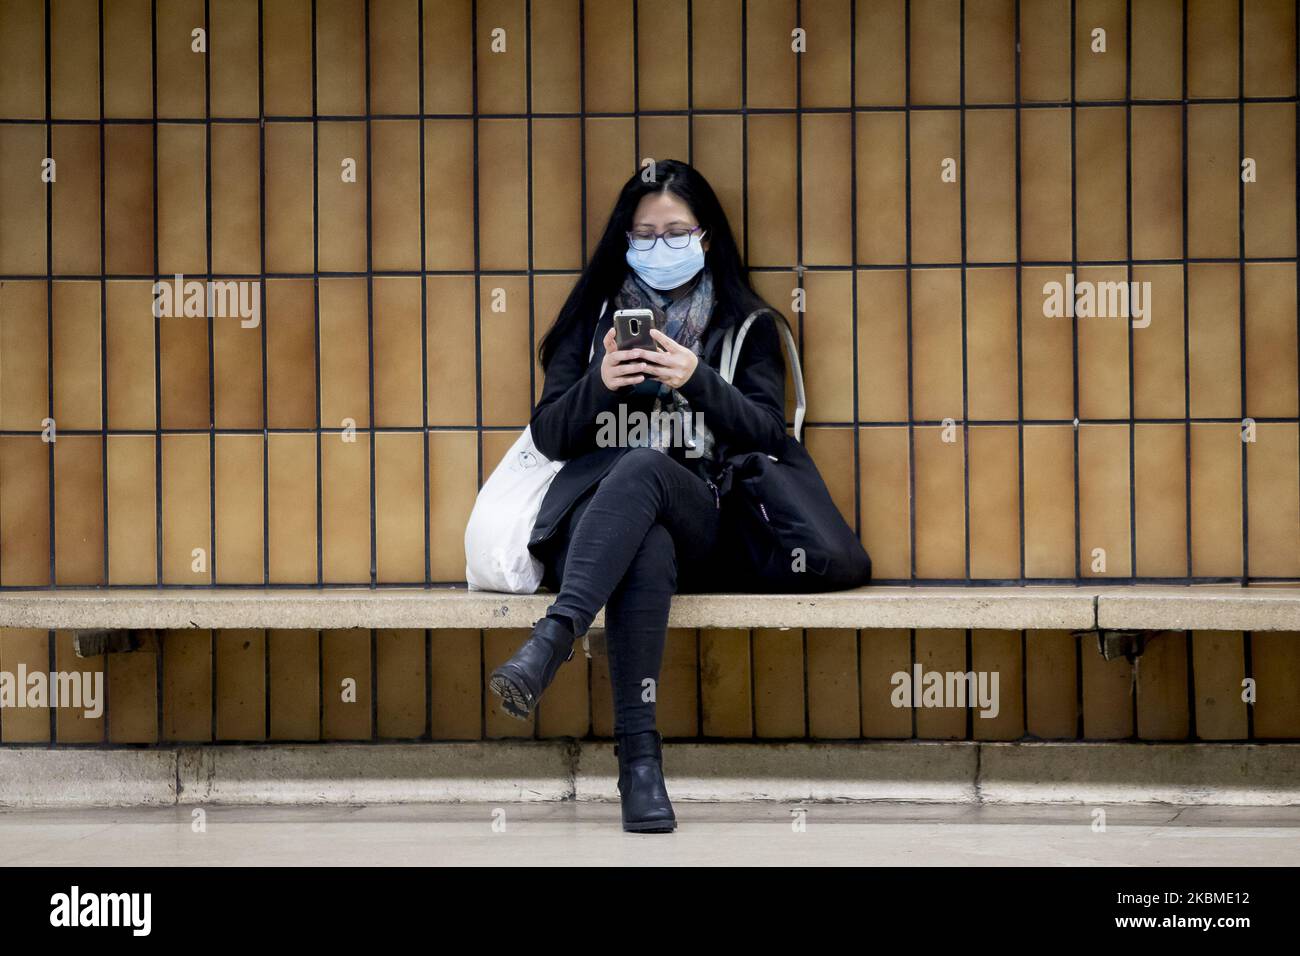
675 238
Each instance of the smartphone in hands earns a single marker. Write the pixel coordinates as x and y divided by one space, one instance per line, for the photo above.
632 329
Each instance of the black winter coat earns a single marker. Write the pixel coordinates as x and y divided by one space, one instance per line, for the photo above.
747 415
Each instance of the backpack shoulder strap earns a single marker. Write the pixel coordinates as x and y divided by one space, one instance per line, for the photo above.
592 354
731 358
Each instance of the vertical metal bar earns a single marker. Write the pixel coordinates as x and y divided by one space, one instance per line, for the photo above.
1187 324
1020 360
1241 285
636 90
478 279
315 288
744 128
370 313
157 382
1128 320
49 298
103 381
103 314
582 238
907 252
51 637
690 83
478 317
1074 269
207 227
528 212
853 292
262 300
582 126
801 285
1247 636
965 369
424 339
157 322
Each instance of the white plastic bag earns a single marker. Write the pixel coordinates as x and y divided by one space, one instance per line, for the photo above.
496 539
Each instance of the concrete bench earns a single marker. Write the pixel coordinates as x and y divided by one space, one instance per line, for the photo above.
1011 608
469 760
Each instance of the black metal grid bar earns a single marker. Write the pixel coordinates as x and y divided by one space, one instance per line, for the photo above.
50 637
636 89
803 299
370 314
212 365
262 300
49 302
1187 320
863 266
315 289
907 273
478 314
907 256
968 637
103 312
424 309
690 82
682 112
965 357
103 395
1246 637
1190 644
1128 277
853 293
1074 353
207 248
528 209
1074 268
1020 333
1241 281
424 378
825 423
528 213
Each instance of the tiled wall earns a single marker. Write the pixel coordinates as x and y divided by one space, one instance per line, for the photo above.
724 684
910 174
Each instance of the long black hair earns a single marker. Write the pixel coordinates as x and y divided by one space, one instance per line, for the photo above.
608 266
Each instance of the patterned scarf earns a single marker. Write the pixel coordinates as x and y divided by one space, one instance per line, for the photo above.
686 320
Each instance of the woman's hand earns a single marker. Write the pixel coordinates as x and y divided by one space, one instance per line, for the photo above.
618 369
673 367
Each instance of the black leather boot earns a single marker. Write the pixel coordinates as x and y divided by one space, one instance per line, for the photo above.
519 682
646 808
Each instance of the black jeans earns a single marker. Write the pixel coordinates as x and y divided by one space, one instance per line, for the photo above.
647 531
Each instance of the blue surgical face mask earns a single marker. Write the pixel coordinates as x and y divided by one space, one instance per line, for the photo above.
662 267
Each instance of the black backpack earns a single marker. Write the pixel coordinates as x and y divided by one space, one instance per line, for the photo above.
788 534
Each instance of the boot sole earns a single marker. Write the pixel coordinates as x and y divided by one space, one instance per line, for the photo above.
650 826
515 700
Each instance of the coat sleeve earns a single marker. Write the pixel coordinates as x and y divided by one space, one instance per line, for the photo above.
748 414
564 422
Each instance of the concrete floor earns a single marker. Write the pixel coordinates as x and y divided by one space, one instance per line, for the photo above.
570 833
